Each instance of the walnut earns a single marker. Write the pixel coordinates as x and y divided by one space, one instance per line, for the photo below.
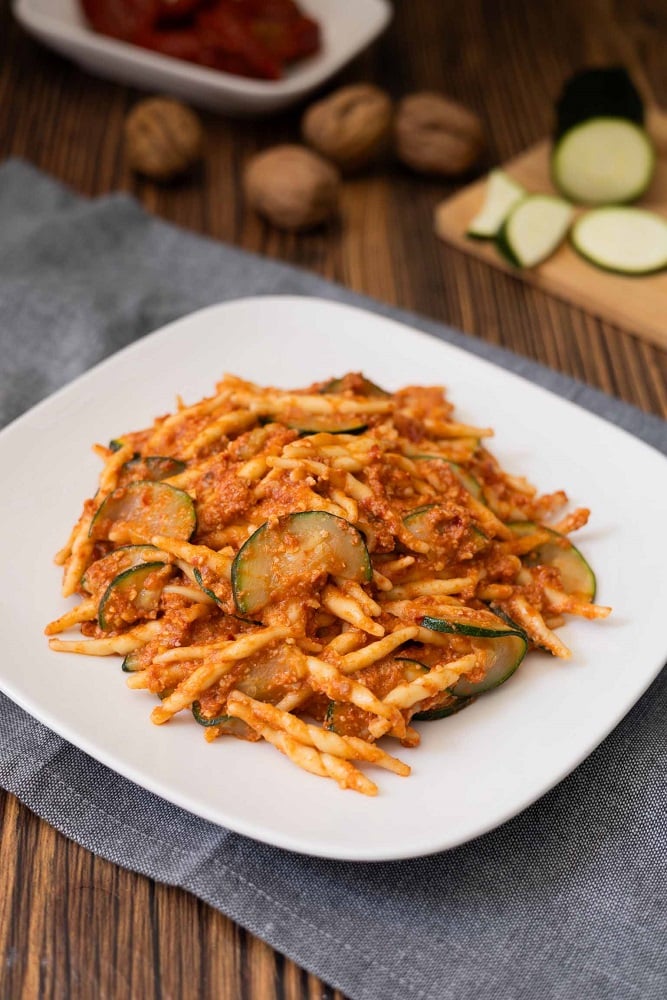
163 138
351 126
292 187
435 135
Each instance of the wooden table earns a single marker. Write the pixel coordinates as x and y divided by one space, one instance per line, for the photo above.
72 925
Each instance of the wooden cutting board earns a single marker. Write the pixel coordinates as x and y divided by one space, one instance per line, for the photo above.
637 304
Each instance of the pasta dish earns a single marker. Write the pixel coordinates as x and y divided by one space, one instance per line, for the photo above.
318 568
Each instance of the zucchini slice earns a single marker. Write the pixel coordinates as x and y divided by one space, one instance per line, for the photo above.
132 662
628 241
603 161
115 562
149 508
127 598
363 387
502 194
154 467
450 706
297 547
228 724
534 229
575 573
422 522
465 479
507 647
331 423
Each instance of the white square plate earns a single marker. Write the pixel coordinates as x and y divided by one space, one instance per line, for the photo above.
473 770
348 26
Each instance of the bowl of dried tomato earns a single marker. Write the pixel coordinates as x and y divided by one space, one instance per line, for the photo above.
245 57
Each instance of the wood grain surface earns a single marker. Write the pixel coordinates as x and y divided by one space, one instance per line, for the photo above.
76 927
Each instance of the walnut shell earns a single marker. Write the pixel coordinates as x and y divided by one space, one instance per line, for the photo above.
292 187
435 135
351 126
163 138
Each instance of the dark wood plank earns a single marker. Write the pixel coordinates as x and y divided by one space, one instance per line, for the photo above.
71 924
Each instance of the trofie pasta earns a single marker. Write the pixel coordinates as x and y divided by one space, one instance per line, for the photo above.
318 568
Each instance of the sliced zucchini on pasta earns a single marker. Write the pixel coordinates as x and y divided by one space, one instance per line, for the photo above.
450 705
329 423
146 508
362 387
133 594
116 562
298 547
154 468
502 194
505 646
425 524
464 477
576 575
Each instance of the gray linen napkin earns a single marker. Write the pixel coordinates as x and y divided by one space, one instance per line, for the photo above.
566 900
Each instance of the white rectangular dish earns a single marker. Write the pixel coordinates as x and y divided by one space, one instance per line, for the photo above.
473 770
348 26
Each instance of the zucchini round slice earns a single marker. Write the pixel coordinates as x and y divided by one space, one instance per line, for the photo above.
423 524
451 705
365 388
507 647
126 599
149 508
330 423
228 724
576 575
297 547
628 241
502 194
115 562
154 467
603 161
534 230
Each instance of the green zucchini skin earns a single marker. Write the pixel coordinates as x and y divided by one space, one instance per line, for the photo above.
521 222
325 425
155 467
442 713
368 388
598 92
131 578
131 663
509 645
466 480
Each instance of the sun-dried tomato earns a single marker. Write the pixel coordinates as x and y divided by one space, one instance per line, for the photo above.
124 19
229 32
176 10
252 38
179 43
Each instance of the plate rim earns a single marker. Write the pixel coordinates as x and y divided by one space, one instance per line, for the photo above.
249 828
